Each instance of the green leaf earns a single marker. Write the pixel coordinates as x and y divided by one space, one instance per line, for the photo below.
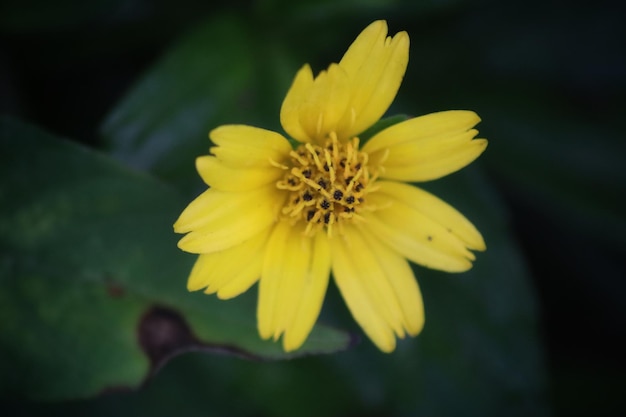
92 285
221 72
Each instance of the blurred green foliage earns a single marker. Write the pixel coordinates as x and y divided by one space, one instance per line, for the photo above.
144 82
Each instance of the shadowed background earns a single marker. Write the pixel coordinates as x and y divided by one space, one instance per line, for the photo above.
144 81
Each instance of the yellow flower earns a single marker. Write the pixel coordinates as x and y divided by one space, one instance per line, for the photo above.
288 217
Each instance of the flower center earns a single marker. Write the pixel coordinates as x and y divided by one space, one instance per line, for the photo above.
327 184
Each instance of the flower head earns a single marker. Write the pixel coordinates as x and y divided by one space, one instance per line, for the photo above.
289 217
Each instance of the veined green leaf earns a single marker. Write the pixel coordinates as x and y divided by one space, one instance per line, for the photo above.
92 285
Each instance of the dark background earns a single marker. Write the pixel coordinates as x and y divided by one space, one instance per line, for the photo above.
547 78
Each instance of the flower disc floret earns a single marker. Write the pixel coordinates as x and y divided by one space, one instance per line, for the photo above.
327 184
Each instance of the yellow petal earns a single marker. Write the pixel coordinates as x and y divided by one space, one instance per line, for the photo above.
213 205
428 128
347 279
399 274
375 65
208 206
359 52
436 209
289 273
325 103
248 272
241 146
293 283
222 177
416 236
351 96
362 276
224 273
290 110
218 220
427 147
311 295
201 273
436 164
272 276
